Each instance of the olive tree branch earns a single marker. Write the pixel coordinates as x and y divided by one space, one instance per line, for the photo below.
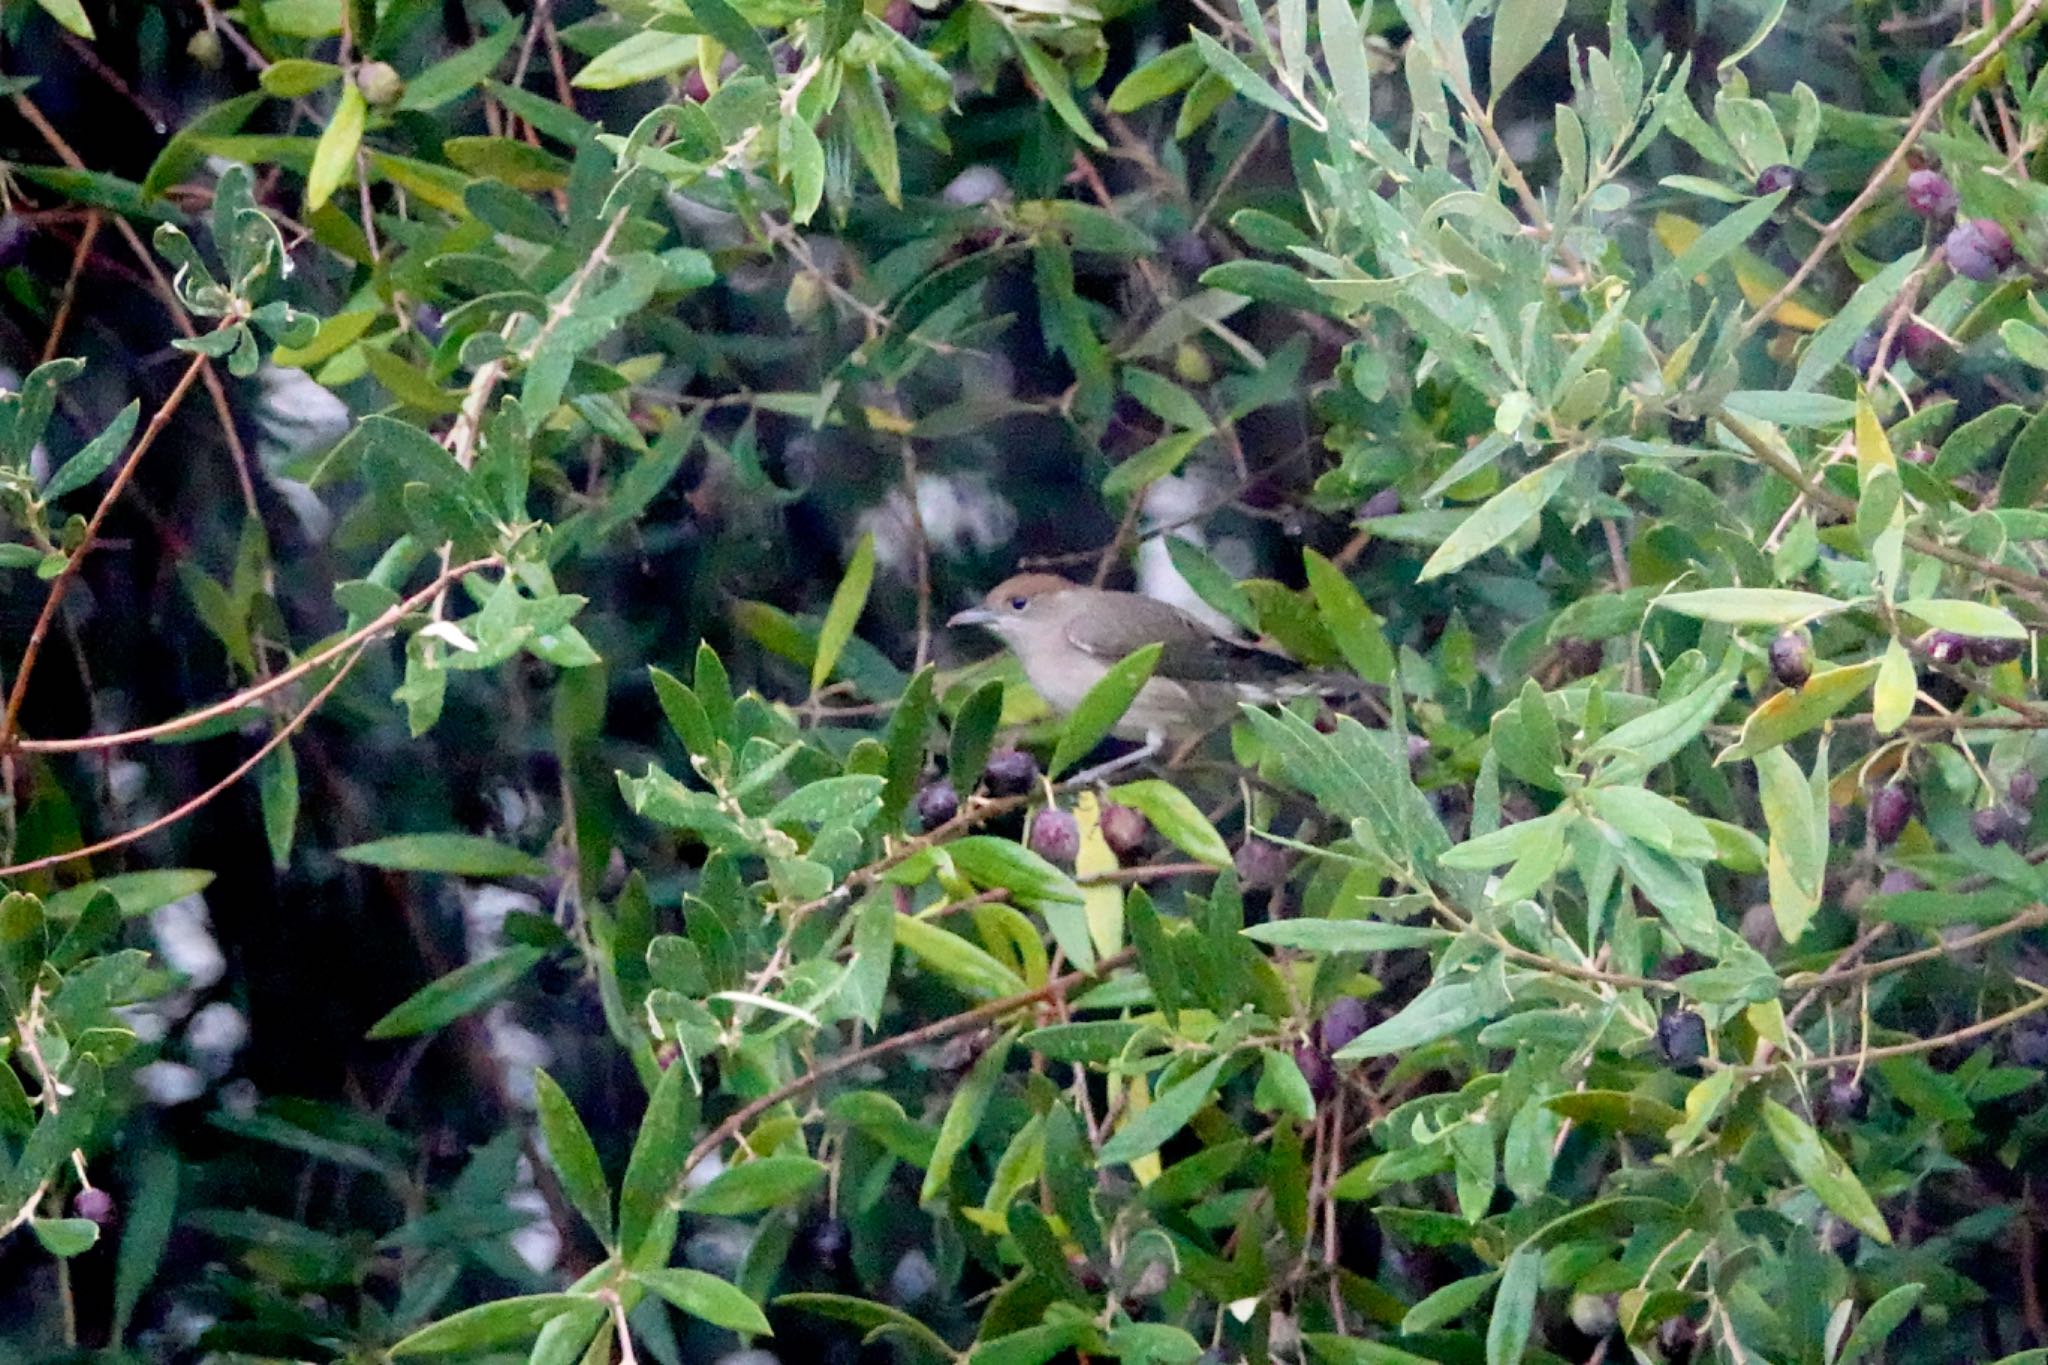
1831 235
932 1032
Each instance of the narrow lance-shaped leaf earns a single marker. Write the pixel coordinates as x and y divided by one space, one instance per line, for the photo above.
1824 1172
1799 846
1521 30
1103 706
463 991
1505 513
656 1163
335 155
1891 700
964 1115
848 601
1146 1131
573 1155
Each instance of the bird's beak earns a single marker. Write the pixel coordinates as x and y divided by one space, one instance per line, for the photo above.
973 616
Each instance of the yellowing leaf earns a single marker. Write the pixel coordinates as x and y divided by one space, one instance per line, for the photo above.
1892 699
1757 280
1102 904
336 153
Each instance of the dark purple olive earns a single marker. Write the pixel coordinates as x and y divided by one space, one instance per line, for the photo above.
1994 825
667 1055
1847 1099
695 88
1682 1038
1891 807
1262 866
1685 431
1578 658
1791 659
1123 829
1316 1070
829 1241
1775 178
1979 249
1344 1020
900 15
1009 772
1055 835
1676 1340
555 975
94 1205
1863 356
1991 651
1927 351
936 804
1945 647
1921 455
2028 1042
1384 503
1929 194
2023 788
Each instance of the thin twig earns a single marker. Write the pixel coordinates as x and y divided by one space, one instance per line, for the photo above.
932 1032
70 294
250 695
2032 585
1906 1049
172 817
61 585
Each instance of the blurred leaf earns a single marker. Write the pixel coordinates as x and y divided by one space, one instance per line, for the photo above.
878 1319
1825 1173
1521 30
1514 1307
1787 715
459 855
964 1114
848 601
1751 606
1176 818
1351 623
1879 1321
503 1323
335 156
1505 513
1965 618
1798 819
463 991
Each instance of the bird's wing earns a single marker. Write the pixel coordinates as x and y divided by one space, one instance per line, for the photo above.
1190 652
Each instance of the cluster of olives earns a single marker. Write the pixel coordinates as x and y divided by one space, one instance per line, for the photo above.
1054 834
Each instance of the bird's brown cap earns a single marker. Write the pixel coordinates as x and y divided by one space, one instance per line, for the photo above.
1011 595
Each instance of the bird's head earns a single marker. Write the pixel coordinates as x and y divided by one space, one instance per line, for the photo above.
1020 607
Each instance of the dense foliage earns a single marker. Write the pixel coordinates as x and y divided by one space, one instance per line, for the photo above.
504 863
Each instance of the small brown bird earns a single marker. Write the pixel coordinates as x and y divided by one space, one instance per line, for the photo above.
1067 636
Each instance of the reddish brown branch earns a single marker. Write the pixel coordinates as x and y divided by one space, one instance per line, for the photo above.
61 585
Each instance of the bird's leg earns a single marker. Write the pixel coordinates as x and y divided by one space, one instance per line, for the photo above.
1154 742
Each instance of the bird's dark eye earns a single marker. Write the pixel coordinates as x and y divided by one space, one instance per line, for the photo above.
1019 603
